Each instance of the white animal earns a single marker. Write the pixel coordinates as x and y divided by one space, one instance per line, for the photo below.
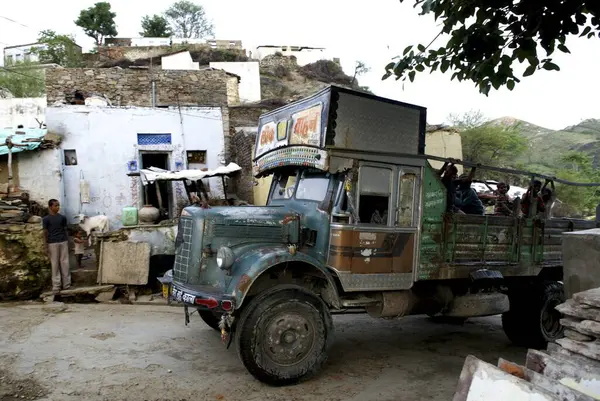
94 223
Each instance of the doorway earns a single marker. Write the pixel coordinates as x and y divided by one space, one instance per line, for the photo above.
158 160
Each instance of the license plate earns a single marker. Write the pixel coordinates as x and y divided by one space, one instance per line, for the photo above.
181 296
165 290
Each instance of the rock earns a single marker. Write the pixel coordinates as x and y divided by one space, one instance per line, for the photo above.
106 296
34 220
55 307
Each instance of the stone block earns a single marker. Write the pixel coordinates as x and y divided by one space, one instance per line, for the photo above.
581 261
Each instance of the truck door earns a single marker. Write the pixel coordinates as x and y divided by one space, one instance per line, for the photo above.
406 220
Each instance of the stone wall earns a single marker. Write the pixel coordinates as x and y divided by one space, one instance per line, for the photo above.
242 145
130 87
243 121
24 267
274 60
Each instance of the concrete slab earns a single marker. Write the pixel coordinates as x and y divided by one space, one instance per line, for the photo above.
124 263
581 260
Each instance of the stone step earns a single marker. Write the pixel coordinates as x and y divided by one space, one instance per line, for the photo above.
84 277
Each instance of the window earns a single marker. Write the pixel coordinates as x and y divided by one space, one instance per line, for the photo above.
9 59
284 189
196 157
406 196
154 139
70 157
374 198
312 188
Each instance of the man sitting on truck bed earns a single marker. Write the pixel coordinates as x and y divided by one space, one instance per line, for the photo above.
467 199
448 174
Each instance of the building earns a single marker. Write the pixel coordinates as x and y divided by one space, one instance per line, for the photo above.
103 148
28 112
303 54
25 53
151 42
249 74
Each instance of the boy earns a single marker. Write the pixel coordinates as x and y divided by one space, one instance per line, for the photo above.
79 248
57 246
503 206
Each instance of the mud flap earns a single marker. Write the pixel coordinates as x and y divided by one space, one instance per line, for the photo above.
187 314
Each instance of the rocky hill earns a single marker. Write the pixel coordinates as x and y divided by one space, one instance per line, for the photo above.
282 80
548 146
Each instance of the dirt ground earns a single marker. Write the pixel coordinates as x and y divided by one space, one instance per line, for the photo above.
132 352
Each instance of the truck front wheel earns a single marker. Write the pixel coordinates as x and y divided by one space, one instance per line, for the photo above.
283 335
533 321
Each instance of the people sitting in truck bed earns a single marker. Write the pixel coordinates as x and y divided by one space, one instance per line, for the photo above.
503 204
533 194
448 174
548 196
467 199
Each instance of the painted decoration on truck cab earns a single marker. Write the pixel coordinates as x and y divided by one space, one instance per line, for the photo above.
306 126
266 139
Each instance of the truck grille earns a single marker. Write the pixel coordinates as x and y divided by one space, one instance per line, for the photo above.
183 250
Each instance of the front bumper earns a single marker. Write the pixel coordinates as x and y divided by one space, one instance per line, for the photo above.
202 297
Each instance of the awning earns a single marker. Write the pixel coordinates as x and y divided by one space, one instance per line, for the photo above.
31 138
153 174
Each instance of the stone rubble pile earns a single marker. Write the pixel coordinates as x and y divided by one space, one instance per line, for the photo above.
582 324
14 209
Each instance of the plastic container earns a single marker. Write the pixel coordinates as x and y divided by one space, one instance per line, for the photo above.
129 216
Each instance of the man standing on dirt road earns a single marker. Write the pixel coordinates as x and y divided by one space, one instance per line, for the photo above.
57 246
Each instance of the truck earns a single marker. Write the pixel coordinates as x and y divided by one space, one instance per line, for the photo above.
270 277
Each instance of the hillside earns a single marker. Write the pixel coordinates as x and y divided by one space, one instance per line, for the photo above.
548 146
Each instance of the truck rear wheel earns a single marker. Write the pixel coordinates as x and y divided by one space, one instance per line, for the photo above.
283 335
212 319
533 320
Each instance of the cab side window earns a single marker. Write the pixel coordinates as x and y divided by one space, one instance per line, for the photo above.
374 186
406 199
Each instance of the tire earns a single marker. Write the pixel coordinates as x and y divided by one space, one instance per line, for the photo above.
283 335
532 320
211 319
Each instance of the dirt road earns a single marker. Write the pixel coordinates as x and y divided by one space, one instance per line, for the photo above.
124 352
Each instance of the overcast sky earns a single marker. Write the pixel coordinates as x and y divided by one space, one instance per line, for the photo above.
352 30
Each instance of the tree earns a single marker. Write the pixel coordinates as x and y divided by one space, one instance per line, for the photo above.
188 20
155 27
486 38
98 22
359 69
487 142
23 81
58 49
578 201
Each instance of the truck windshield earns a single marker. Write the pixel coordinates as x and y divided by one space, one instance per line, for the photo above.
311 187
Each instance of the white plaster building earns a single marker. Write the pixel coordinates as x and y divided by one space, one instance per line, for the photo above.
304 54
249 73
104 147
27 112
24 53
179 61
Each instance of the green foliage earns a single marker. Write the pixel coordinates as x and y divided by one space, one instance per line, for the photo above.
360 68
488 38
189 20
23 80
58 49
578 200
156 26
98 22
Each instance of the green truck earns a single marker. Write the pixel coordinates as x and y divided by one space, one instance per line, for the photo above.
270 277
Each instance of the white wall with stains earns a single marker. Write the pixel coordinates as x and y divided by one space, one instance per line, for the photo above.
22 111
105 140
249 73
40 174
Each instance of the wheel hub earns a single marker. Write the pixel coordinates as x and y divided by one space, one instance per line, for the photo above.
550 320
289 338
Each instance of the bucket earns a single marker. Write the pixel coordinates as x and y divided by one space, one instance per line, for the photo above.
129 216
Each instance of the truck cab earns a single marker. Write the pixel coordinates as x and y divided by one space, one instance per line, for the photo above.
357 220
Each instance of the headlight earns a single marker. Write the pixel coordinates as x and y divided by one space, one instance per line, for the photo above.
225 258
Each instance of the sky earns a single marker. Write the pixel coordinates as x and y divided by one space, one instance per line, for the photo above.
352 30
